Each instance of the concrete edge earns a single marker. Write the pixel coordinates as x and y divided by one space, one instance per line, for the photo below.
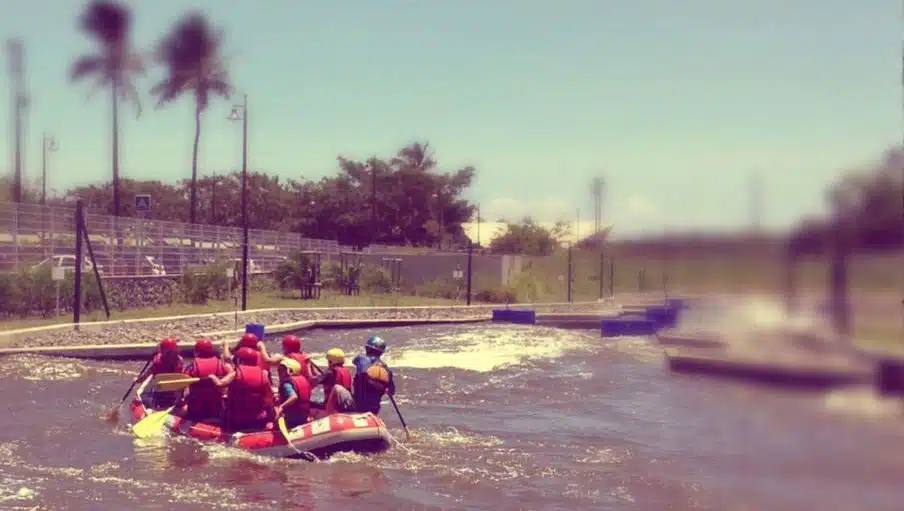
97 324
141 351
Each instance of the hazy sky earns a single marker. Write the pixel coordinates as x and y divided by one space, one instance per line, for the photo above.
677 103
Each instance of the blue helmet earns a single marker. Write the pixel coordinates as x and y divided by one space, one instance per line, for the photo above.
375 343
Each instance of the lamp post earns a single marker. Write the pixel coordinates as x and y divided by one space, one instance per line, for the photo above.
240 112
439 202
48 144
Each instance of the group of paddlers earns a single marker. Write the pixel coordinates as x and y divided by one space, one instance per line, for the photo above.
236 389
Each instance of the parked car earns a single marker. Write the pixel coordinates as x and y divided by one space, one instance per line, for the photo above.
68 263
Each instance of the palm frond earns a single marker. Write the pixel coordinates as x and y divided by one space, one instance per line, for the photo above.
128 92
106 21
87 65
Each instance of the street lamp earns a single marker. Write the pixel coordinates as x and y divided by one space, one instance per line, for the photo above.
240 112
47 144
439 201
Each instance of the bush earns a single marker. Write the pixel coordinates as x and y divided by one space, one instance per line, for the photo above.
199 285
376 278
440 288
495 296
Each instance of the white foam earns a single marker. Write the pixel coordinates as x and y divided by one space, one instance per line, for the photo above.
487 350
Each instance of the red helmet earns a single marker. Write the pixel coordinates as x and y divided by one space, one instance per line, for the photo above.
247 356
168 343
204 347
291 344
249 340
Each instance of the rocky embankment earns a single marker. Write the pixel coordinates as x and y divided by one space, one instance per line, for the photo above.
190 328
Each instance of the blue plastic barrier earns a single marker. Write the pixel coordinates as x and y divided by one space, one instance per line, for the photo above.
501 314
256 329
628 325
662 316
517 316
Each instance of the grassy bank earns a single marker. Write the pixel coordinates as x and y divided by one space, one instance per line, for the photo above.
260 300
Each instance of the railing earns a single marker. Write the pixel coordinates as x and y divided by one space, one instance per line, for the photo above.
128 246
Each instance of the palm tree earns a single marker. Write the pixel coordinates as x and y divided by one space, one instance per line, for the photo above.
191 55
109 24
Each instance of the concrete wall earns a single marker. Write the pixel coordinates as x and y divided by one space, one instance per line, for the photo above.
487 269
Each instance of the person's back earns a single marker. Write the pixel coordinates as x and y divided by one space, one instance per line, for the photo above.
373 378
167 360
205 399
249 398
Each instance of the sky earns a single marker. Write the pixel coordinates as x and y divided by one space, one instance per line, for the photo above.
678 105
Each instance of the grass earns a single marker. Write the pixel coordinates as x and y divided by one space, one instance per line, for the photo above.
255 301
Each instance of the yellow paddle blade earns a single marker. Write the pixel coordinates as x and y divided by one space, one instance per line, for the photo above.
164 377
180 384
283 429
151 424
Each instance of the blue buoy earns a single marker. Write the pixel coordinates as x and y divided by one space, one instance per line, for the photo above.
256 329
501 314
628 325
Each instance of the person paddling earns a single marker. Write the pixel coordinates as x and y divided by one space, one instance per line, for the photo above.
294 393
291 345
373 378
205 399
251 341
166 360
249 398
337 384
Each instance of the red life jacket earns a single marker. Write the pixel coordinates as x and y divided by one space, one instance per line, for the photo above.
159 365
205 394
342 377
250 394
304 359
302 405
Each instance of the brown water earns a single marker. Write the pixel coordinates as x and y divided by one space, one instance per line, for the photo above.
504 417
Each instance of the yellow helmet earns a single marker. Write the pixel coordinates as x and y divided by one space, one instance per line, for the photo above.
335 356
292 366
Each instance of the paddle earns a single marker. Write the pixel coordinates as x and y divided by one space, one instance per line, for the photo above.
285 432
113 414
401 419
176 384
151 424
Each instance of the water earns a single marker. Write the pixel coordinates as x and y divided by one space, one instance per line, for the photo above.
503 417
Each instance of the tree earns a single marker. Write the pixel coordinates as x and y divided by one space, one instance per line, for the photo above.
109 24
528 238
194 64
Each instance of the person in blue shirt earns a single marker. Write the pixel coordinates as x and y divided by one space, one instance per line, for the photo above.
373 378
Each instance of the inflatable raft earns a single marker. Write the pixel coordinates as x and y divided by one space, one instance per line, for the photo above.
323 436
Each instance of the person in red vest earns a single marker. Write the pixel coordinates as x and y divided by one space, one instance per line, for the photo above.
166 360
205 399
294 393
249 397
291 346
337 384
250 341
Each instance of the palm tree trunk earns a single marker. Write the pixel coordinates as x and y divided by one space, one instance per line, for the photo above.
193 199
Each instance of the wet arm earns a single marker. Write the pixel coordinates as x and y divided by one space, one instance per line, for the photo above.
224 381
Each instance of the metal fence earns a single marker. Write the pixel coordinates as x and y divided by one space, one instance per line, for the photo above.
128 246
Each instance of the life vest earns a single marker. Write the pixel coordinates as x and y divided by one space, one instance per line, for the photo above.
160 365
367 398
250 394
302 405
205 394
305 360
341 377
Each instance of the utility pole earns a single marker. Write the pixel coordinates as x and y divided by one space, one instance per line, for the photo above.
373 200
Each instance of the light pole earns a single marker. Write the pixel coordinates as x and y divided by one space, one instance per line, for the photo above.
48 144
479 244
439 201
240 112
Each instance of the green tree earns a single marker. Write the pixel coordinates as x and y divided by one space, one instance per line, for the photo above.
115 66
528 237
191 53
